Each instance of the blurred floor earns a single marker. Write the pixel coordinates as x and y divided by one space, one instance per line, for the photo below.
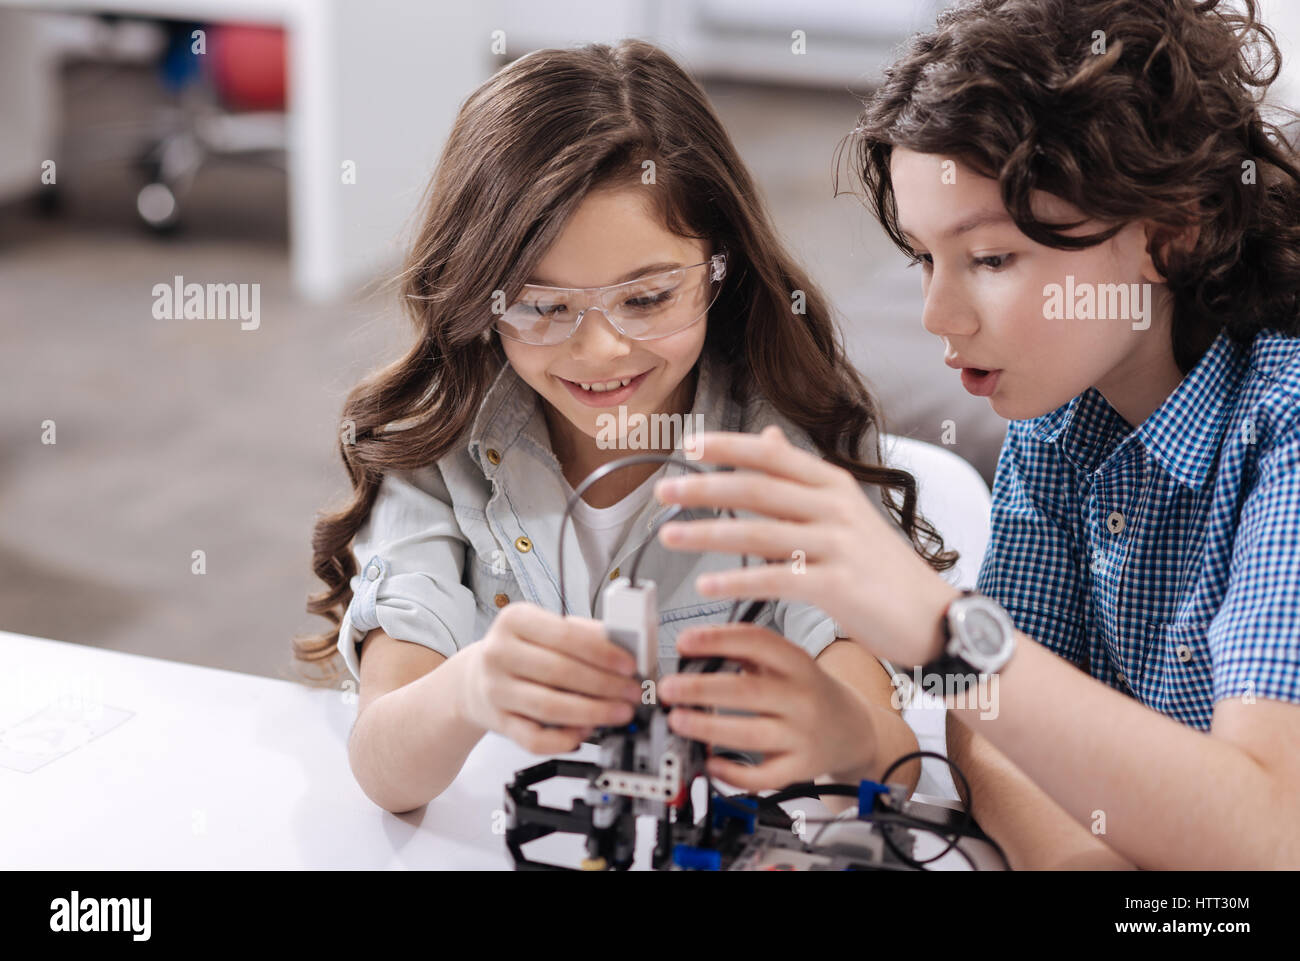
177 436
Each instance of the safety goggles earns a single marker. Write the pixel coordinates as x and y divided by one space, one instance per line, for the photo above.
643 309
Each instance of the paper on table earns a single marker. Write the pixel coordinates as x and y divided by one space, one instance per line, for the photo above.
55 730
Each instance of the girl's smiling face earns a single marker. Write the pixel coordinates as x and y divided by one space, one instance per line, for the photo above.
614 236
985 286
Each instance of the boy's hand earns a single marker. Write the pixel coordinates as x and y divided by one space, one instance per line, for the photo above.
807 723
852 562
547 681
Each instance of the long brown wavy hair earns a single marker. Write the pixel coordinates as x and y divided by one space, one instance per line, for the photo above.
1128 109
526 148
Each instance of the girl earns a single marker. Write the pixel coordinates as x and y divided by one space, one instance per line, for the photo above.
1146 517
592 253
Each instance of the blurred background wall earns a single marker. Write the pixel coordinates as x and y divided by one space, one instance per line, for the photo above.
290 152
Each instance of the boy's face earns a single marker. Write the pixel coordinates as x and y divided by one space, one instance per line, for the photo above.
613 236
988 289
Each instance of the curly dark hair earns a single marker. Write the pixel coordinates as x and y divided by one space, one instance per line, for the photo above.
1127 109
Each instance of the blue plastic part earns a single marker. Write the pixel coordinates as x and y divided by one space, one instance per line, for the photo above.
631 728
745 811
697 859
180 66
868 791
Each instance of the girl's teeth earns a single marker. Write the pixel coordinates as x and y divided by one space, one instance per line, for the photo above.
608 385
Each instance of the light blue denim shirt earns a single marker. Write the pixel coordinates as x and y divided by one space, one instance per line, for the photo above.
447 545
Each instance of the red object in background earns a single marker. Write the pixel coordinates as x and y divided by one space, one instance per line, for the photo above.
247 65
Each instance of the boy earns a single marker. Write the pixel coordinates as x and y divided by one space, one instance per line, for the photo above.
1107 232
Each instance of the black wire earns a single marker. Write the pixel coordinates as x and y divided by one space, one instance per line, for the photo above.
970 860
710 792
919 824
884 819
751 612
887 819
807 789
967 820
1006 862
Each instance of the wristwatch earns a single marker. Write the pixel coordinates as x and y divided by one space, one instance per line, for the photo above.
978 638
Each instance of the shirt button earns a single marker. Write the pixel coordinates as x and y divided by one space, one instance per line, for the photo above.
1115 522
1119 676
501 600
372 572
613 575
493 456
523 545
1184 653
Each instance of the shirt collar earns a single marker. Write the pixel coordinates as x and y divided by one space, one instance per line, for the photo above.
507 406
1085 430
1183 434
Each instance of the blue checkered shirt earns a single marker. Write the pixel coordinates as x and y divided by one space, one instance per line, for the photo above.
1164 560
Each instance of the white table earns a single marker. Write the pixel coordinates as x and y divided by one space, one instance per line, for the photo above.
201 768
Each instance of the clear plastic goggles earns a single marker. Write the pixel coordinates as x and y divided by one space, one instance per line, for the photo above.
643 309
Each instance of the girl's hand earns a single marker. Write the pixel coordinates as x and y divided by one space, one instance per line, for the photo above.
808 723
547 681
832 547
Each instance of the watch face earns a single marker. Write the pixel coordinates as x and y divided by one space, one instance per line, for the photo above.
983 632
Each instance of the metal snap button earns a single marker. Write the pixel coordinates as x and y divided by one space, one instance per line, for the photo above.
493 456
372 572
613 575
501 600
1184 653
1115 522
523 545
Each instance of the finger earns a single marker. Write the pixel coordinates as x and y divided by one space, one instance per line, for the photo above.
763 734
550 668
546 705
748 643
768 451
534 737
774 773
579 637
761 582
741 692
760 538
747 490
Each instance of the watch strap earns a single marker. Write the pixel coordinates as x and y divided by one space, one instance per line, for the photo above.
948 665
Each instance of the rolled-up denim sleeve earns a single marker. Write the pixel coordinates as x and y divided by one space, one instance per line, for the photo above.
411 559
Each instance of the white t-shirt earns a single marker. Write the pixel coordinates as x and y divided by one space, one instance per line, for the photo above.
601 530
